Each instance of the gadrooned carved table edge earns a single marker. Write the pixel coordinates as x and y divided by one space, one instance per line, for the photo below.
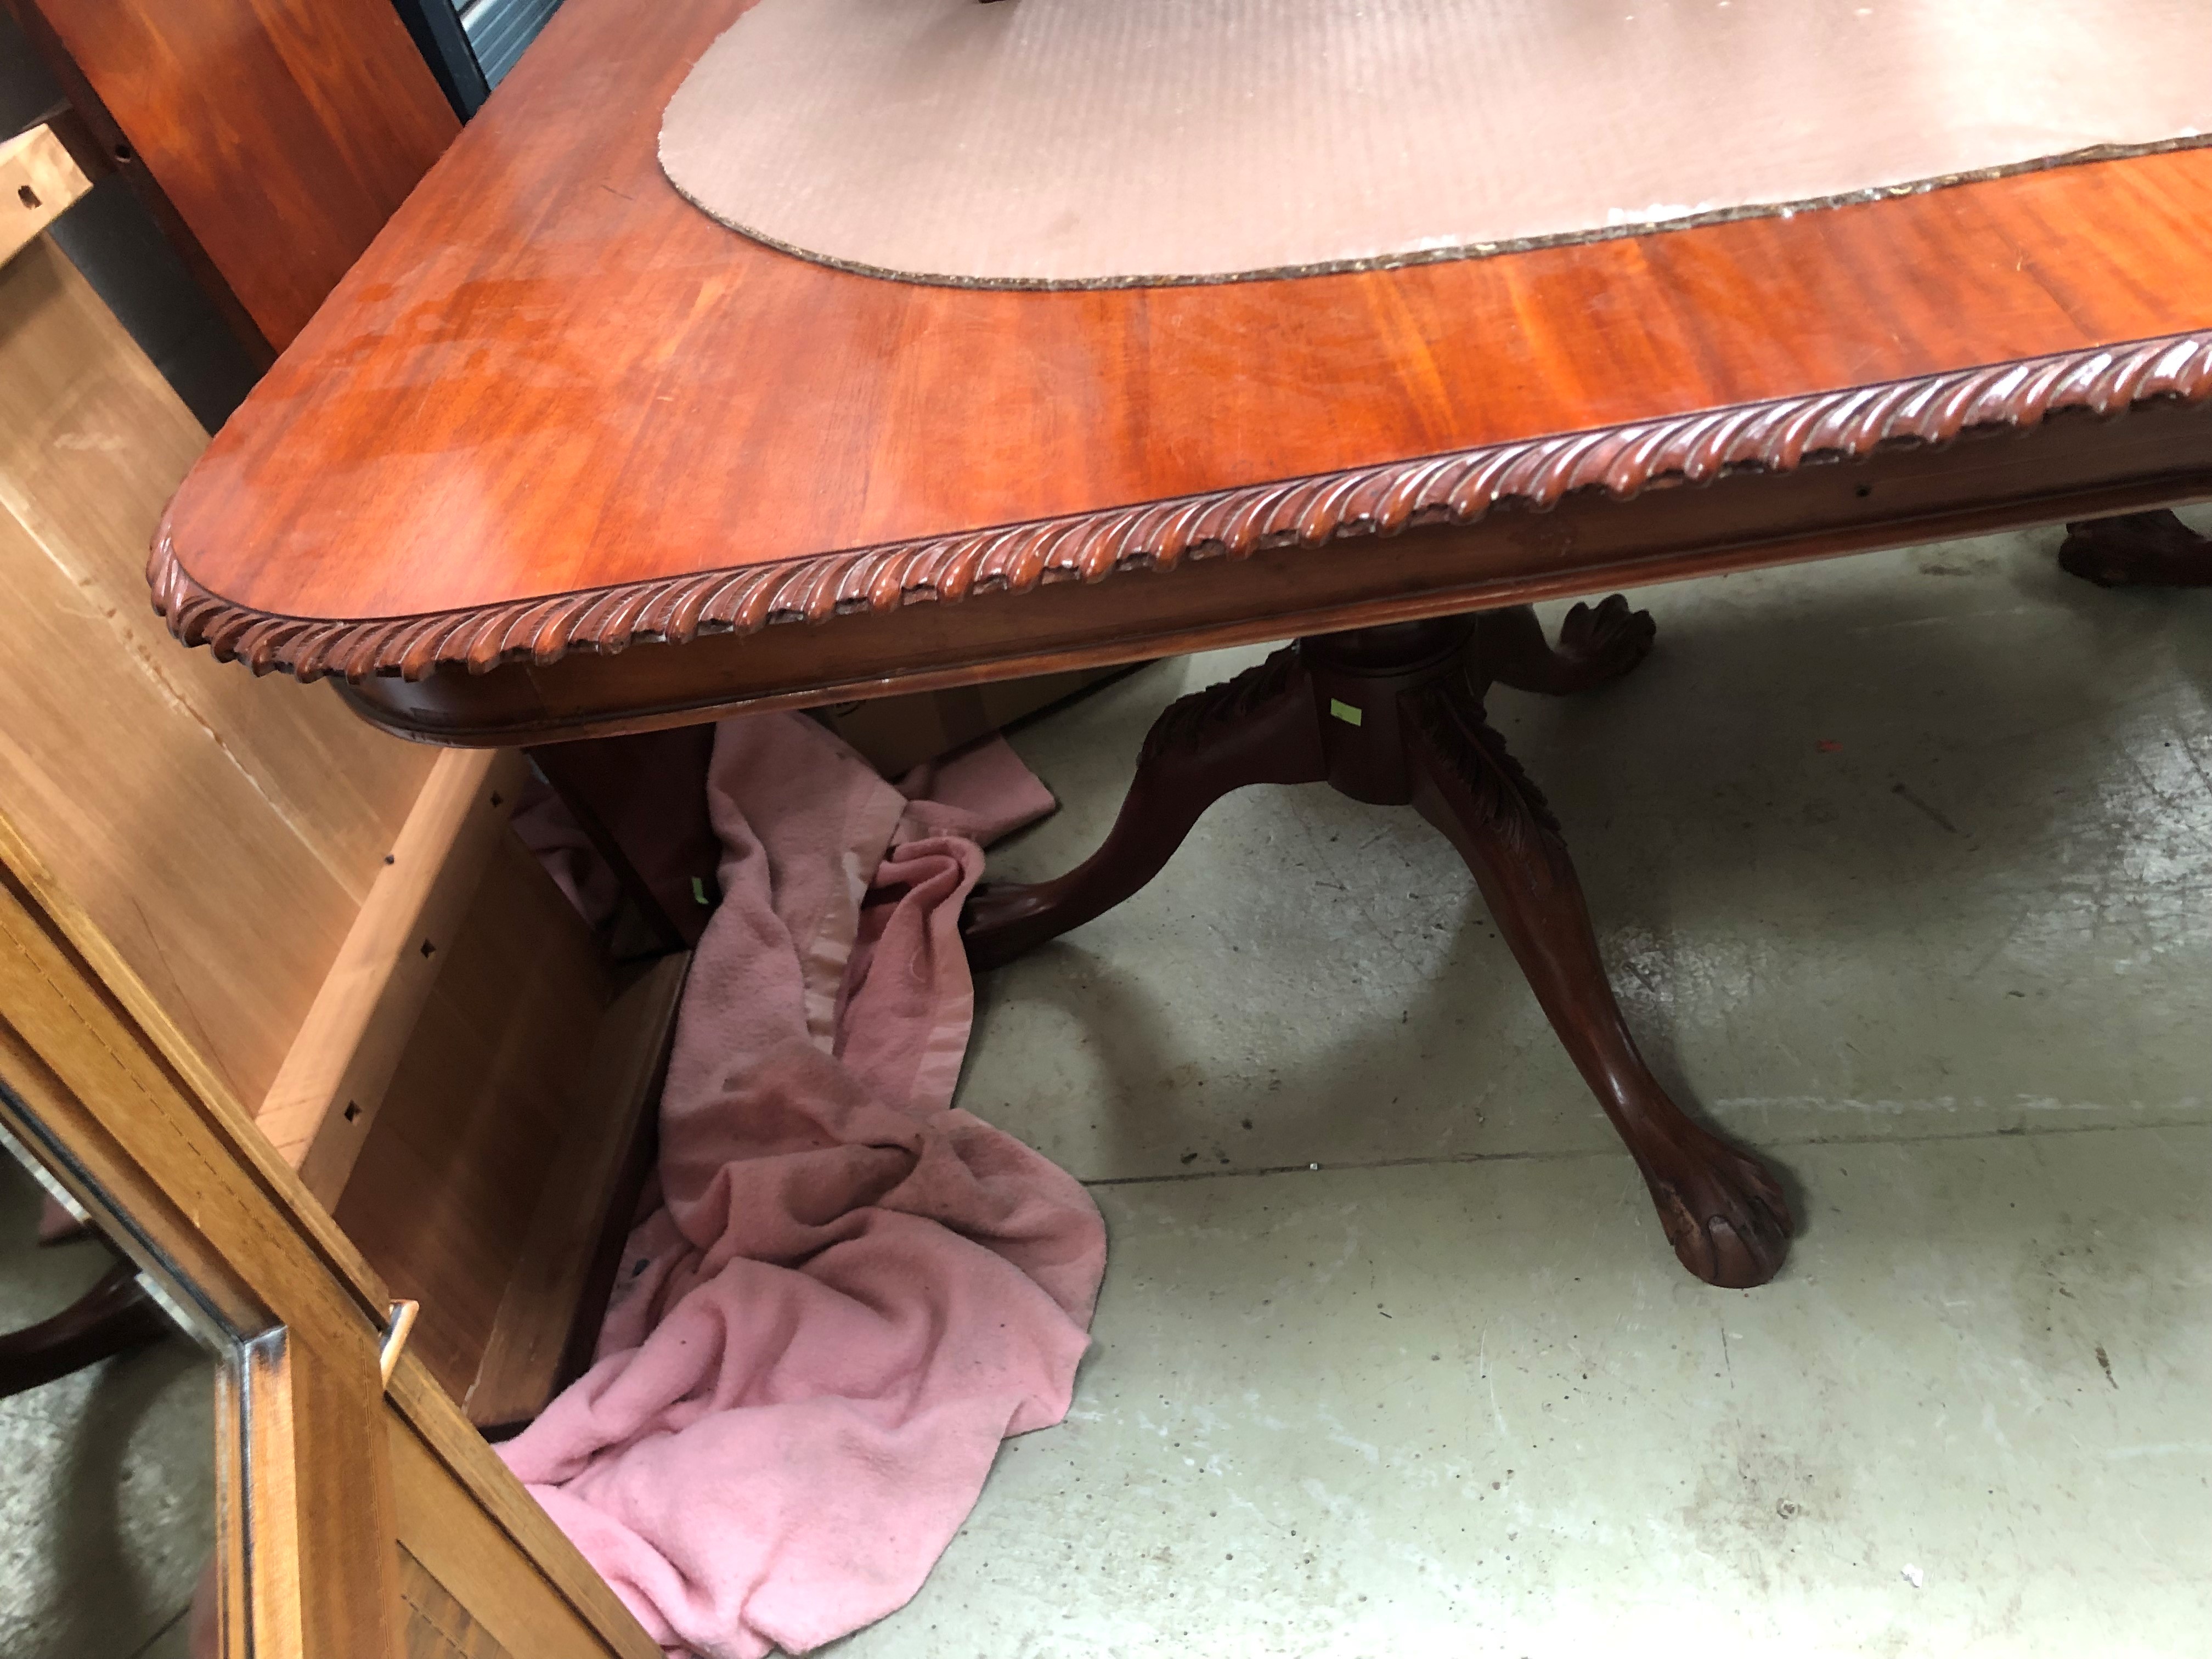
1459 488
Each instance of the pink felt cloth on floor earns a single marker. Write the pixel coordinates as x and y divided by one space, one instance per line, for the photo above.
854 1291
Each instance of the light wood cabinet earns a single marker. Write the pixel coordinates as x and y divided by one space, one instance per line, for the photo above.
291 1012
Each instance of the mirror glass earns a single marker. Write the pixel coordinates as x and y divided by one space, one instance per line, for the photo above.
108 1493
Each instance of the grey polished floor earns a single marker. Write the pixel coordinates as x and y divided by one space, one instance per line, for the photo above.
1903 867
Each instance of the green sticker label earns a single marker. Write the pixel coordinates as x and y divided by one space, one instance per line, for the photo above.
1343 711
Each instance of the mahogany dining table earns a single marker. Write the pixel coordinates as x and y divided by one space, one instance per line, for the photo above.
563 457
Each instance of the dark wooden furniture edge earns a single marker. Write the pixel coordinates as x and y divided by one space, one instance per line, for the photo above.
114 1317
2137 549
1777 436
92 121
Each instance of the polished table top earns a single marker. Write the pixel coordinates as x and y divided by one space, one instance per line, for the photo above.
561 455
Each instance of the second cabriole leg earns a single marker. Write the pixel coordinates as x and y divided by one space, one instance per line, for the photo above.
1260 728
1723 1212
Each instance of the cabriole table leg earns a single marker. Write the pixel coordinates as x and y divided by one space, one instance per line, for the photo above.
1721 1209
1392 716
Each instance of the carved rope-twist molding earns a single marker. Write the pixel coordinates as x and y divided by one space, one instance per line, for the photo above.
1372 501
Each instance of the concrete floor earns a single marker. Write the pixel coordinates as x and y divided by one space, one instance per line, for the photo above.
107 1477
1903 865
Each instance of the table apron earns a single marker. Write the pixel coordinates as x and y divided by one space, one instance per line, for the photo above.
2074 465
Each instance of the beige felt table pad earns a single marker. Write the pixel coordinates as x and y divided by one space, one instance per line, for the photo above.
1076 143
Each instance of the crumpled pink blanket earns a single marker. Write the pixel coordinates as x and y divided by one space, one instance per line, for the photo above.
853 1291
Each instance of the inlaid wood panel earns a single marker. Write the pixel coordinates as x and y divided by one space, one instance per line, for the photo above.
438 1627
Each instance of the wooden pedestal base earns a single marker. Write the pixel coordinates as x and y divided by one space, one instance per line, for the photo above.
2137 549
1394 715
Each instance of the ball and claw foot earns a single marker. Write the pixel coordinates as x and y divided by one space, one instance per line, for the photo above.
1607 642
2137 549
1721 1209
1597 644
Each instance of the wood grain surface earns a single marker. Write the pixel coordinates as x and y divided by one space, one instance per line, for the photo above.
493 1075
553 377
199 818
567 1255
2071 468
39 181
500 1552
325 1097
438 1627
283 132
502 1549
114 1100
170 1167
